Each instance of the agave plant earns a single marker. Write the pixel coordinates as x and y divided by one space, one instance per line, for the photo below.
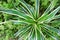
36 26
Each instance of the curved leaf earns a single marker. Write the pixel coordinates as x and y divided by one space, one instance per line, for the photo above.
15 12
51 6
48 18
52 14
51 35
57 17
28 7
51 28
22 31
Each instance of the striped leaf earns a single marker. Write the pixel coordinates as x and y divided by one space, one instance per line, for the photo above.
51 35
51 28
28 7
50 7
37 8
52 14
15 12
22 31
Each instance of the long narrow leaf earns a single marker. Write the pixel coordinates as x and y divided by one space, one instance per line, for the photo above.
51 35
51 28
39 31
23 30
48 18
57 17
52 14
36 8
15 12
28 7
55 23
51 6
32 35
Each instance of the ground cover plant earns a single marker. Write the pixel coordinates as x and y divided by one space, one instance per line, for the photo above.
37 25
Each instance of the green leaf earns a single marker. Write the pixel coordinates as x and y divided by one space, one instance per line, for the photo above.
51 35
42 37
39 35
25 35
32 35
52 14
51 28
15 12
22 9
22 31
55 23
27 6
27 17
36 34
57 17
51 6
49 17
19 22
37 8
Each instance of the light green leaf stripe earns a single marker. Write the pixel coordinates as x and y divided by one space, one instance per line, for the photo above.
48 18
28 7
57 17
37 8
15 12
52 14
40 36
23 30
51 28
51 35
51 6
